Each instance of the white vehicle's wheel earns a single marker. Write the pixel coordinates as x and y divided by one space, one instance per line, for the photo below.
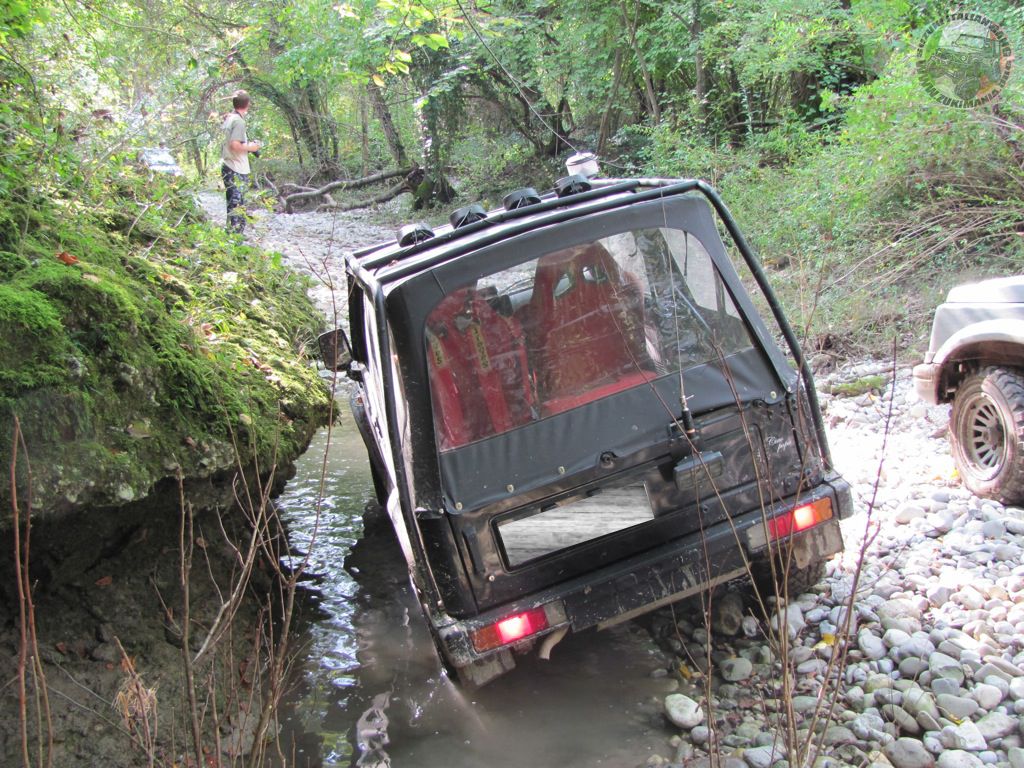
986 431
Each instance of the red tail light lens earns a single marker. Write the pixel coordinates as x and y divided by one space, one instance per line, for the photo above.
800 519
510 630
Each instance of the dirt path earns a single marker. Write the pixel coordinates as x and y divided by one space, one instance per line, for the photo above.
313 243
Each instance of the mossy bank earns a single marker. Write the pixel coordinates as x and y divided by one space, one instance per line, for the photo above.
142 347
137 343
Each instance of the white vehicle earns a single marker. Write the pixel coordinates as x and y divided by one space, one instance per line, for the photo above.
976 361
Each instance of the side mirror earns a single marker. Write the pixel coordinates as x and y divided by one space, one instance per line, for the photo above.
335 350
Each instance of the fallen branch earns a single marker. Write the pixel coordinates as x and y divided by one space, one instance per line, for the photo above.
290 201
28 646
390 194
289 189
266 182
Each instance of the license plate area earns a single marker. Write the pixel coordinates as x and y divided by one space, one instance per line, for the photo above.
535 534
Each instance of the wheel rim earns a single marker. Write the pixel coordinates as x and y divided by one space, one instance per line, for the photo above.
985 443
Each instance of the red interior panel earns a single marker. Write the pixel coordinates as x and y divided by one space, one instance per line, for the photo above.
479 380
586 330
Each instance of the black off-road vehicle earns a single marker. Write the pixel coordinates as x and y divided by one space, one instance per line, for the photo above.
575 414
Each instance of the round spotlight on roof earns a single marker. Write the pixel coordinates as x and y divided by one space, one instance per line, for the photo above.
411 234
467 215
583 163
520 198
572 185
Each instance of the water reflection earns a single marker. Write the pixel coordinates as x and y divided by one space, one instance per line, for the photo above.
369 674
327 677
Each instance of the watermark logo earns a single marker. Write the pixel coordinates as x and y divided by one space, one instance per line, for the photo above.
964 60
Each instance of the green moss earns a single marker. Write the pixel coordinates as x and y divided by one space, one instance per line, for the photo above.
144 353
32 341
860 386
11 264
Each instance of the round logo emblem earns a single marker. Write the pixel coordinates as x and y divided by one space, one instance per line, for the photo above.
964 60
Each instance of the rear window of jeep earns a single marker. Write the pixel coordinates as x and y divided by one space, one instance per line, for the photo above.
573 326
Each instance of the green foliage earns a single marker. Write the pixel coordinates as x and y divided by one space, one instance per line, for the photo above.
808 114
868 225
17 18
491 165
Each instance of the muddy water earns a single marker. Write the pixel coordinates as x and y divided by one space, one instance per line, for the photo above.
366 644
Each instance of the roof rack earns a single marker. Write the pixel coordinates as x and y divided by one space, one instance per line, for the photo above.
378 255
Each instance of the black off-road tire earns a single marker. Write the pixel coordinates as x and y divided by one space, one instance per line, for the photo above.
986 433
796 582
801 580
380 483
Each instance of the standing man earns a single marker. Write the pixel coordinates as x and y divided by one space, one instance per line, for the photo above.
235 161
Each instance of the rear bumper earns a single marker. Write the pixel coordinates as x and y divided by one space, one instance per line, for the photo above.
926 382
660 576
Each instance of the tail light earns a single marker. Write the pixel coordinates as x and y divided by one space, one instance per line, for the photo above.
800 519
518 626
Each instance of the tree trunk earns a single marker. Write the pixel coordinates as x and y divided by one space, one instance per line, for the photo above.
315 127
364 130
701 86
434 188
387 124
650 95
298 146
306 194
409 184
604 132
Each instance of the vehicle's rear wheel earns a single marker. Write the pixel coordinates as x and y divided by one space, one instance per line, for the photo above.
987 433
791 584
380 483
800 580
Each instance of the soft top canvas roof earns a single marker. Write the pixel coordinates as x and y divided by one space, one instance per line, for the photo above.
389 262
467 471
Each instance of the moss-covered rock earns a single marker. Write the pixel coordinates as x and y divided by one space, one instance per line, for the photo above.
133 348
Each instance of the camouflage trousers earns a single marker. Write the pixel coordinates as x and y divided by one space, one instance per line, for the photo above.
234 191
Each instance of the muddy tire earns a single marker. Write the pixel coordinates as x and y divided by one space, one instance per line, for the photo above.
986 432
796 582
380 484
801 580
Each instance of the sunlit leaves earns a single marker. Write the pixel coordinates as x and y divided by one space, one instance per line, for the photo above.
435 41
18 16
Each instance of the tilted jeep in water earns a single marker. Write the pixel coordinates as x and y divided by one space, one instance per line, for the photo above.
575 414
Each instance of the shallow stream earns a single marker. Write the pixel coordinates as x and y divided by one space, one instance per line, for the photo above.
365 642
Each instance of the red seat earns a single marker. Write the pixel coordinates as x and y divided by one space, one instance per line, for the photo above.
586 331
479 378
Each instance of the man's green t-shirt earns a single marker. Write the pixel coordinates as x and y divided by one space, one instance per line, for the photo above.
234 130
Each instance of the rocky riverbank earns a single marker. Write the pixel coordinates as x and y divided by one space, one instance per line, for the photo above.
930 669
